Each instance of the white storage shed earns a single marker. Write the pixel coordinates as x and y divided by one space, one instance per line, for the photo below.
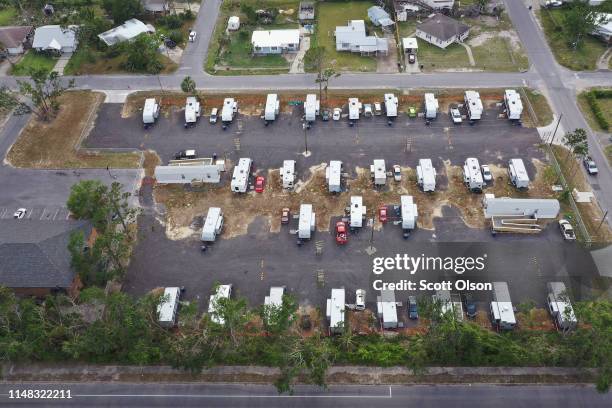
233 23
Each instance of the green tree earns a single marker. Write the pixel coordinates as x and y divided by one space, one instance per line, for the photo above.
122 10
234 315
86 201
323 78
44 89
142 54
278 319
188 85
8 100
579 20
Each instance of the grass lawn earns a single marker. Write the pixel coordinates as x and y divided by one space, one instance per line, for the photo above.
434 58
496 54
582 59
45 145
605 104
238 53
94 62
8 16
540 106
33 60
609 153
331 15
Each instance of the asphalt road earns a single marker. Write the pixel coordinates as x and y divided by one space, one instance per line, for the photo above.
265 396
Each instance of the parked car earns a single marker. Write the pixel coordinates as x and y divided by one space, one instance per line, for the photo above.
382 213
397 172
337 113
341 234
192 36
20 213
553 3
367 110
411 58
486 173
455 115
412 112
214 115
413 310
377 109
470 305
567 230
325 115
285 214
185 155
259 184
590 166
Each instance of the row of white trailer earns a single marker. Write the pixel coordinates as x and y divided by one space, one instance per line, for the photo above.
474 180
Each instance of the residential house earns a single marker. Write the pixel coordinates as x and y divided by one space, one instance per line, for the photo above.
306 13
125 32
603 29
55 38
406 8
380 18
34 256
155 6
275 41
14 39
353 38
442 31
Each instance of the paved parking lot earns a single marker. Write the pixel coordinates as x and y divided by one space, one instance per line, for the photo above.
37 213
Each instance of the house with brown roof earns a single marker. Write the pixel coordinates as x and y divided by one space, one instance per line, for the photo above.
442 31
14 39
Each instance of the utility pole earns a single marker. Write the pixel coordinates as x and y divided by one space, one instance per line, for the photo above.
601 223
552 139
305 127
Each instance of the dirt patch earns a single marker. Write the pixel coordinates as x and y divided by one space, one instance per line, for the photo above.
535 320
482 38
151 160
362 322
54 144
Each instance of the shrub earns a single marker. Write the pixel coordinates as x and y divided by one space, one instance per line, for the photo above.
176 36
591 98
171 21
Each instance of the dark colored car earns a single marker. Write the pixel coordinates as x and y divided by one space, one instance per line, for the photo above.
470 306
413 310
325 115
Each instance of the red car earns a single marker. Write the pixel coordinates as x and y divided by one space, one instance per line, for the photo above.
259 184
382 214
341 235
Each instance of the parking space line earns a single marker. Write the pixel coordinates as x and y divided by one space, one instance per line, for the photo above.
30 212
3 213
56 212
43 214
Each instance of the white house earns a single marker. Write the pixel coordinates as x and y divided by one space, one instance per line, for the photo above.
405 8
127 31
13 39
603 29
442 31
55 38
353 38
275 41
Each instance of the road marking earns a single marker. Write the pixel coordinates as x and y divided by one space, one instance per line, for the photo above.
43 214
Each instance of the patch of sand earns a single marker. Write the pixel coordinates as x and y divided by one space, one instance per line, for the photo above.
482 38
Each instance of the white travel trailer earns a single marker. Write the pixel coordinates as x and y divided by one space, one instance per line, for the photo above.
541 208
518 174
378 172
502 312
449 303
473 104
222 292
560 307
272 108
391 104
358 212
230 108
240 177
514 106
333 174
354 108
288 174
387 309
431 106
213 225
409 213
472 177
335 311
306 222
168 307
150 112
192 111
426 175
275 298
312 107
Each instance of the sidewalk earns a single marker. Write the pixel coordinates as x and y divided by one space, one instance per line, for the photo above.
62 62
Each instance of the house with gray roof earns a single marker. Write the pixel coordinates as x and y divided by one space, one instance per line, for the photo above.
353 38
380 18
55 38
34 256
13 39
442 31
127 31
155 6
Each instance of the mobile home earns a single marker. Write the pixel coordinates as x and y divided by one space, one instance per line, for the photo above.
222 292
472 177
560 307
409 213
426 175
240 178
378 172
431 106
168 307
502 311
518 174
186 172
513 104
358 212
473 104
272 108
354 108
312 107
230 108
213 225
306 222
288 174
541 208
387 309
335 311
192 111
150 112
391 104
333 174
